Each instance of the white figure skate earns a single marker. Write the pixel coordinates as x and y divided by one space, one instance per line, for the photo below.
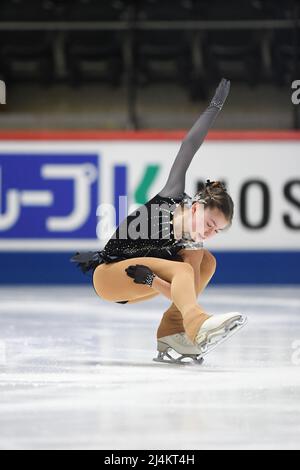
214 331
217 329
180 344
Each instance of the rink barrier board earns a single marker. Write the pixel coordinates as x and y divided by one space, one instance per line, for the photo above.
233 267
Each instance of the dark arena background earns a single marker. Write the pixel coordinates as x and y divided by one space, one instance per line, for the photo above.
96 97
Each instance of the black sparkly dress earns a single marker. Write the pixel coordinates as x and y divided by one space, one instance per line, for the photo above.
153 222
148 231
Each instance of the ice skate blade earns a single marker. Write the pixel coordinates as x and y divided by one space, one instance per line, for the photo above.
218 336
166 358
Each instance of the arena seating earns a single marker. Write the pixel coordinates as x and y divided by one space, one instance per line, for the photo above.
149 41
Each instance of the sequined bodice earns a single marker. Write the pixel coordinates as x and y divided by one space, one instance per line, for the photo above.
149 231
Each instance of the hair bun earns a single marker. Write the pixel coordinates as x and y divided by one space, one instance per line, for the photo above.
222 186
216 184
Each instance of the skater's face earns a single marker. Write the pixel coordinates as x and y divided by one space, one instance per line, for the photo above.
206 222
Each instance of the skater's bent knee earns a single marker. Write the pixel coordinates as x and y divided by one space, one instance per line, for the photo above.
209 259
187 267
191 255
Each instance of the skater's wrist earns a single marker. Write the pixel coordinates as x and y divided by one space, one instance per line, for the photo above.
149 279
156 282
141 274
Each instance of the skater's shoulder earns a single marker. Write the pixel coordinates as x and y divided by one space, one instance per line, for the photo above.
172 198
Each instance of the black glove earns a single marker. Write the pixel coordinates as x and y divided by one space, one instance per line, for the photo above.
221 93
141 274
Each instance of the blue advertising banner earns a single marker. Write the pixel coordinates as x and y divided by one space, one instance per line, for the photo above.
48 196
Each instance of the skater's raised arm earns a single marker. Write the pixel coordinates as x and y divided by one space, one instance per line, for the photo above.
176 181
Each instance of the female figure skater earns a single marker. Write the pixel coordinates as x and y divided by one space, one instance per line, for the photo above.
166 256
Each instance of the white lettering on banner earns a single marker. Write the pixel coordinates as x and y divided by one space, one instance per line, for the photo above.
13 211
84 176
17 199
296 94
36 198
2 92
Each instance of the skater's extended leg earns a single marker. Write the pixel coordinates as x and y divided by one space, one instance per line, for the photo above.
112 283
204 266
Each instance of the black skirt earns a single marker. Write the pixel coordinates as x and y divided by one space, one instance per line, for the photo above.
91 260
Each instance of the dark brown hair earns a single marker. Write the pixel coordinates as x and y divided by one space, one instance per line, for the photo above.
214 195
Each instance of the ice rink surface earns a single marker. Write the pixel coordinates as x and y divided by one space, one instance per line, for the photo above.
77 373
